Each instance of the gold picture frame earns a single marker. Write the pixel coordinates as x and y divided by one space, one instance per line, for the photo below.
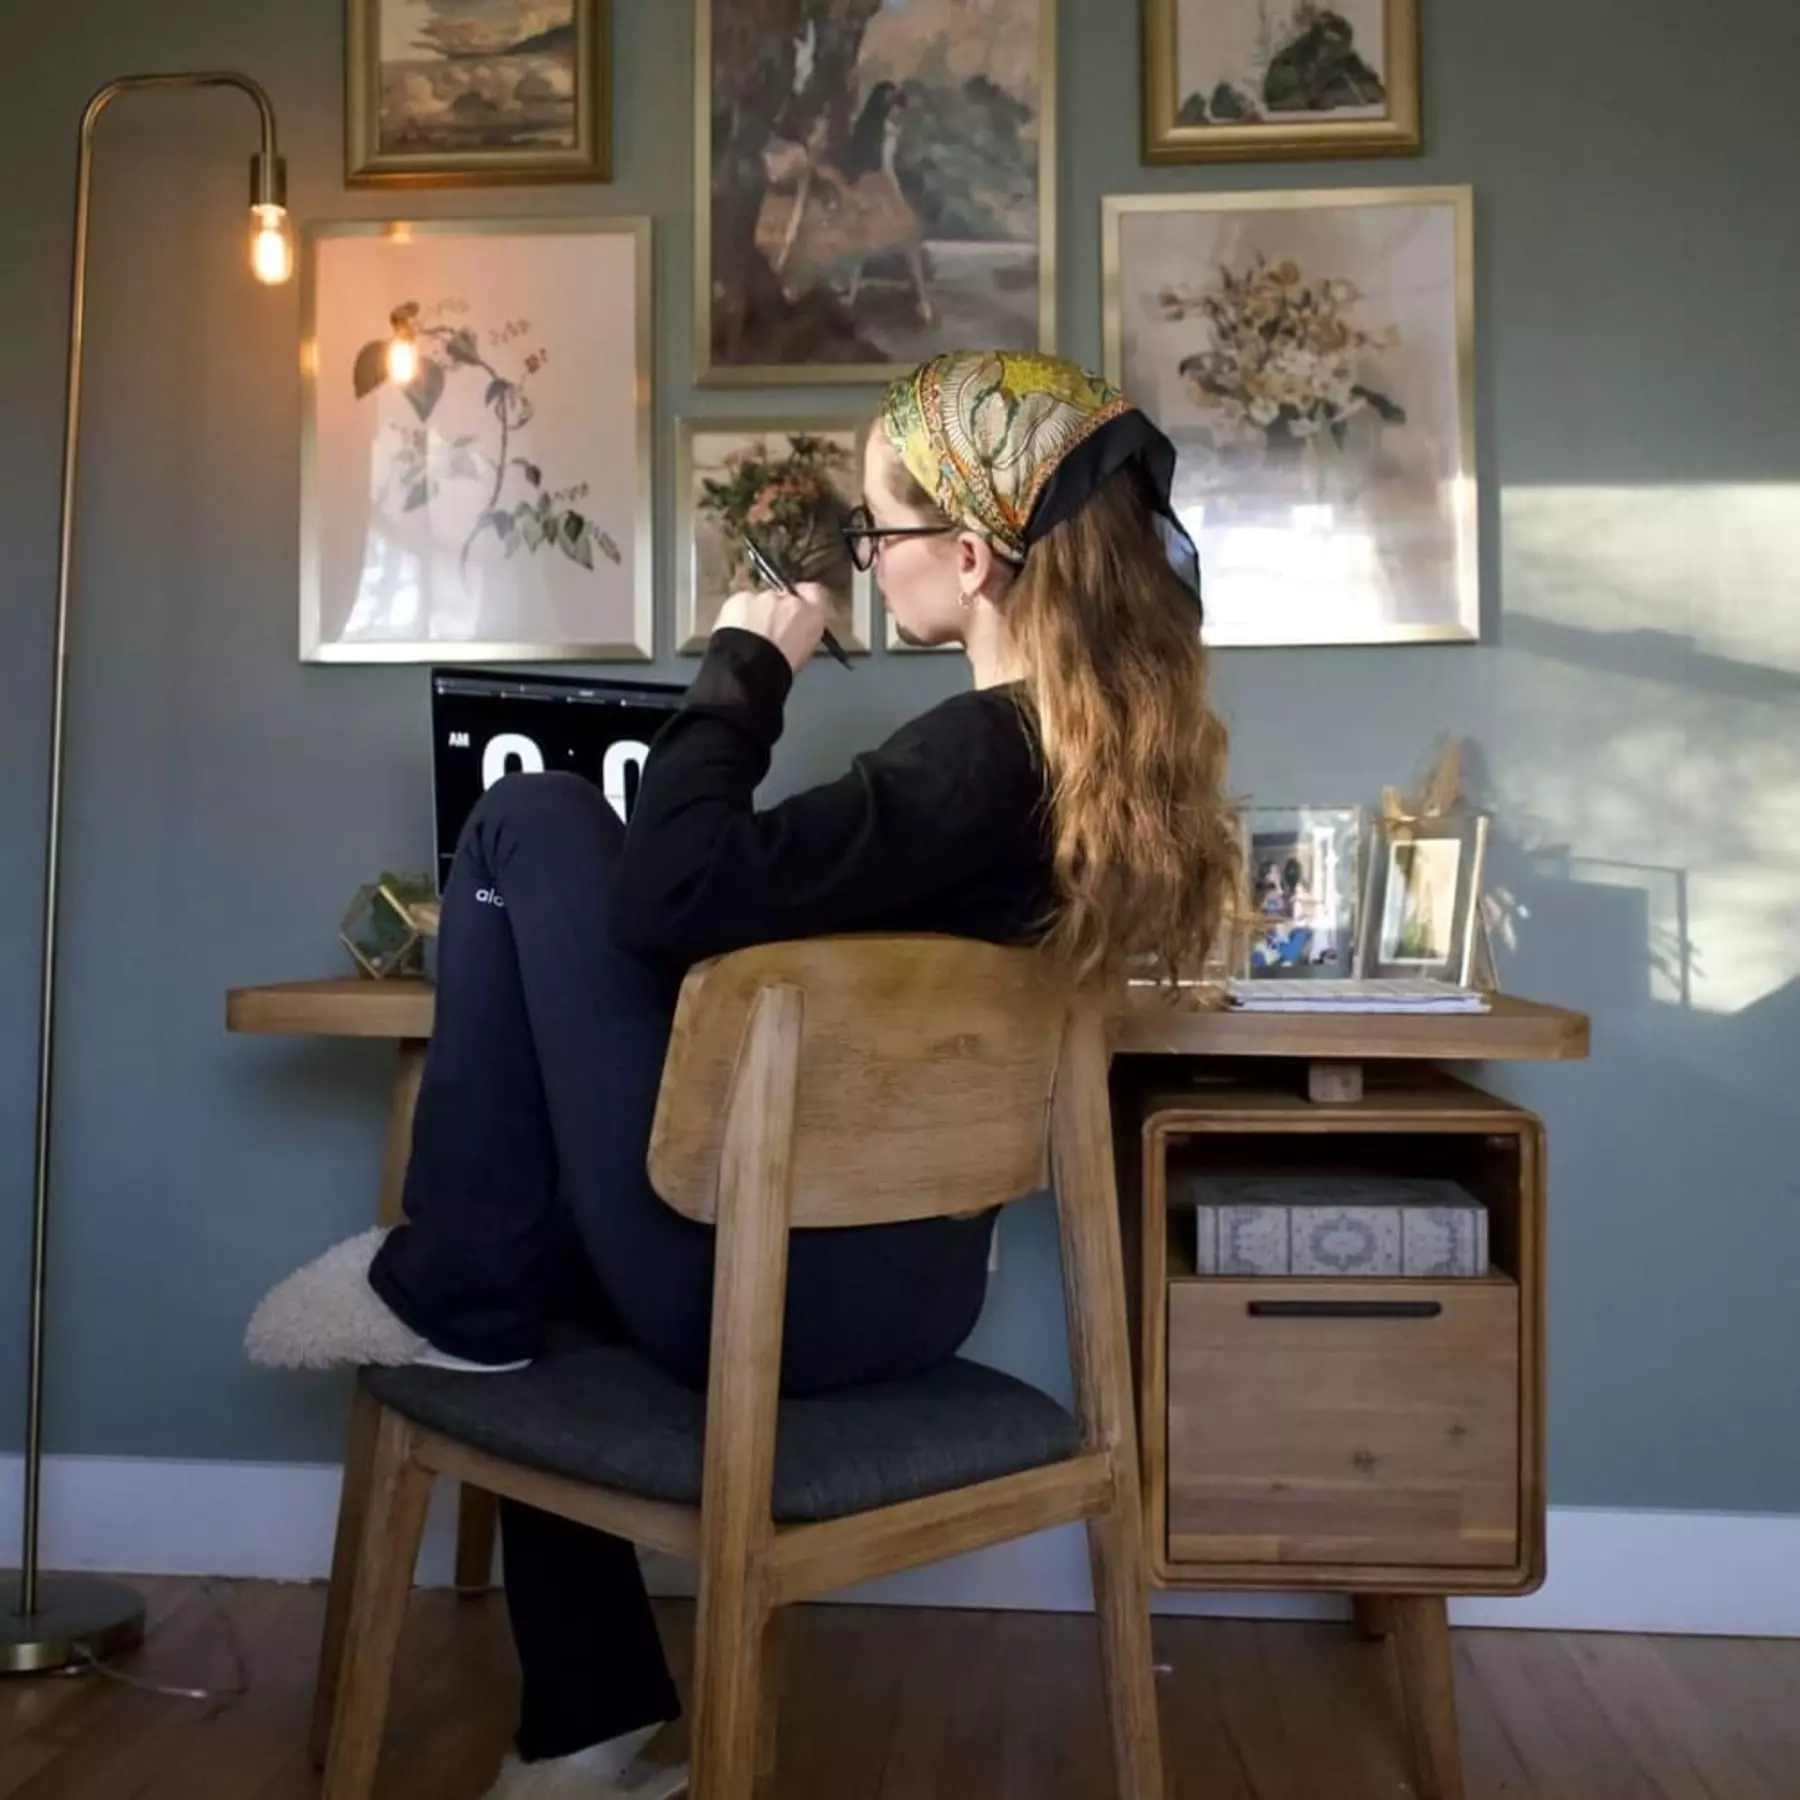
853 626
709 372
1421 904
1171 135
1432 593
325 637
580 52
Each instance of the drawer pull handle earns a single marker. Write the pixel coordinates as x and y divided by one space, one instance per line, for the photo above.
1345 1309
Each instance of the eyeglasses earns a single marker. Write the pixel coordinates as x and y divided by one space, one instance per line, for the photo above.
864 538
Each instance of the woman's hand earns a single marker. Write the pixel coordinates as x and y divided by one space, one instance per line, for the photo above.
793 623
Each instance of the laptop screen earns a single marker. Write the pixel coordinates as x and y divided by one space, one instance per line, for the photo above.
485 725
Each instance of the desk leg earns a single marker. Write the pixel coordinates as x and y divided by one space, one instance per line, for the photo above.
1428 1692
1374 1617
477 1514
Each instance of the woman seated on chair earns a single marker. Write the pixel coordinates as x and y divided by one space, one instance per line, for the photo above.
1015 506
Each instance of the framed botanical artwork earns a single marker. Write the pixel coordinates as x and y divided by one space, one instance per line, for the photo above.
1312 354
875 183
1304 865
475 455
791 484
1251 80
468 93
1422 906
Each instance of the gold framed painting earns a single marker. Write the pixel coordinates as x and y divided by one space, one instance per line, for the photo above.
874 183
476 441
1422 909
1312 355
1256 80
471 93
791 483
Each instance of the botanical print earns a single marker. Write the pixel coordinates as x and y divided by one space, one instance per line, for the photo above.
1418 918
1309 354
791 489
1249 61
1303 892
871 187
464 76
474 478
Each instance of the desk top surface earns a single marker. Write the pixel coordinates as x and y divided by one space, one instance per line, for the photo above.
1514 1030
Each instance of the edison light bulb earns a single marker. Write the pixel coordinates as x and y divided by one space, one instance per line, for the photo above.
271 244
402 360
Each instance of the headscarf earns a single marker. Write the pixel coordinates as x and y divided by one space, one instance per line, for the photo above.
1011 444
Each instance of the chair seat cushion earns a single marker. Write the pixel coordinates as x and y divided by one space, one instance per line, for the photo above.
608 1416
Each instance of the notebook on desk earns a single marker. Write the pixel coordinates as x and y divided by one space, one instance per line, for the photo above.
486 724
1407 994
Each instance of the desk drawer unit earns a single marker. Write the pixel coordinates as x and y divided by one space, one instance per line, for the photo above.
1359 1422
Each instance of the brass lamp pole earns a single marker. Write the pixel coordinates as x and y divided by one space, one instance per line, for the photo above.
48 1624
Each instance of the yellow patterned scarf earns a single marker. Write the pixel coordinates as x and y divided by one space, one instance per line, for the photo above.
982 432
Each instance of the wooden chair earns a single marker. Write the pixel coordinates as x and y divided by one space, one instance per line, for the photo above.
819 1084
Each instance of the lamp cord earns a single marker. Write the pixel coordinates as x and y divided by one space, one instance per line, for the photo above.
89 1664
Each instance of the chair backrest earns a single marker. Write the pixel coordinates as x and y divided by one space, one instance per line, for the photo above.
926 1067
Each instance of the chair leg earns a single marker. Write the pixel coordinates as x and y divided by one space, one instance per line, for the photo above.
477 1521
353 1506
398 1494
728 1734
768 1749
1428 1693
1122 1601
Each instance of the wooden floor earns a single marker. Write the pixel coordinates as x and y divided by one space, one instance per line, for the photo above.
892 1705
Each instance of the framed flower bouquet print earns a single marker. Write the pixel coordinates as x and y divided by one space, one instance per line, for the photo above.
1252 80
475 457
1312 355
791 484
874 183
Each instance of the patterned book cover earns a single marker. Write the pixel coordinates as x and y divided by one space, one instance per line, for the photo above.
1338 1225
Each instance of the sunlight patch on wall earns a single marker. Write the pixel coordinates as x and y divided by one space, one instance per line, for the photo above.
1652 696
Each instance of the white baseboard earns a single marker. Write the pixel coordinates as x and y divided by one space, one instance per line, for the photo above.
1732 1574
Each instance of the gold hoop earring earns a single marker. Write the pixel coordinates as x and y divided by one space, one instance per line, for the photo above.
966 602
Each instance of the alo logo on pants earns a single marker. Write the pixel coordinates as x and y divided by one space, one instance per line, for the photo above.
489 897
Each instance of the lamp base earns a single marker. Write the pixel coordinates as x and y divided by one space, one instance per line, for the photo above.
77 1619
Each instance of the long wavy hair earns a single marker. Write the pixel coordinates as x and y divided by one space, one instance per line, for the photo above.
1148 853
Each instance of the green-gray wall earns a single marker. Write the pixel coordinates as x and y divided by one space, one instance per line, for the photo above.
1636 705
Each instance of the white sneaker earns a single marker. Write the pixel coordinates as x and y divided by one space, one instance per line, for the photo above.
327 1316
564 1779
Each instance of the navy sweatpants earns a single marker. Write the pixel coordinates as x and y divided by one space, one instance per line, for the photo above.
527 1200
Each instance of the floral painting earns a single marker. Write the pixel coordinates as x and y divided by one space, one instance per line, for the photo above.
478 90
1311 355
874 184
1249 78
789 485
477 457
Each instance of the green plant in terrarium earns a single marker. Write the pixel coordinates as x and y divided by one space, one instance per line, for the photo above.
380 930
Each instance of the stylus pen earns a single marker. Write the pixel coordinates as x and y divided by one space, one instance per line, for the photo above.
767 571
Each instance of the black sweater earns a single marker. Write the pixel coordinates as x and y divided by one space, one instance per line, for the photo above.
943 829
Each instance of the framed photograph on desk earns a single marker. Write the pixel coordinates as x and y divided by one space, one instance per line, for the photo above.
1422 907
1304 864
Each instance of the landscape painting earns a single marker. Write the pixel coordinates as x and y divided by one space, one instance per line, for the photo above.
874 184
1243 80
476 91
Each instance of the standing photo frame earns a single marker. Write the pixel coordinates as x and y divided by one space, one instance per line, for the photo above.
1304 866
872 186
791 482
1312 356
475 93
1422 902
1261 80
476 441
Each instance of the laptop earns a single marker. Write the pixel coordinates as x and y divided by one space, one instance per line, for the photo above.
485 725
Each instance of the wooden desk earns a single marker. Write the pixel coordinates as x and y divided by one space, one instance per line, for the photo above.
1441 1493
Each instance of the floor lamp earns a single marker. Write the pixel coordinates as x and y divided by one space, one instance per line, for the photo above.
51 1623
